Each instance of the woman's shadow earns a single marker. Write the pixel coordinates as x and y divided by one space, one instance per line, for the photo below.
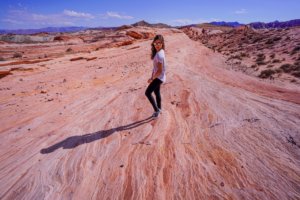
74 141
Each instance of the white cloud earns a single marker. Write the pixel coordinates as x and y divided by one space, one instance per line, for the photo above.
18 18
241 11
116 15
11 21
72 13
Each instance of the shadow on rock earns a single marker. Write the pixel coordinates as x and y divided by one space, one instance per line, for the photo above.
74 141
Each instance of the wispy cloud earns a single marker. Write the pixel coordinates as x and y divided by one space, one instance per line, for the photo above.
72 13
21 16
11 21
110 14
15 16
241 11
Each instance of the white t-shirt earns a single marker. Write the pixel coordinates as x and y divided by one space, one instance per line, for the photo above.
160 57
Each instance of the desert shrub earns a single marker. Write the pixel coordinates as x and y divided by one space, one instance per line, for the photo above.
266 73
235 57
269 66
243 54
17 55
275 39
287 68
260 63
278 70
253 66
272 55
2 59
260 55
260 58
295 50
269 41
256 39
286 51
296 74
69 50
276 61
288 38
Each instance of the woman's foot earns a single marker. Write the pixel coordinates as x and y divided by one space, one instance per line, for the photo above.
156 113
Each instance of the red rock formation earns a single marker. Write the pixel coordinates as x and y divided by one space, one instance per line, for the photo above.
134 34
61 38
82 130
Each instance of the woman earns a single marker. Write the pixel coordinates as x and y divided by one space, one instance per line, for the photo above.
158 74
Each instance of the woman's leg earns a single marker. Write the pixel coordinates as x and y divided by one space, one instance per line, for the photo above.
152 86
157 94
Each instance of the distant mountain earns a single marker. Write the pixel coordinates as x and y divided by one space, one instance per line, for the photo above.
144 23
47 30
103 29
229 24
275 24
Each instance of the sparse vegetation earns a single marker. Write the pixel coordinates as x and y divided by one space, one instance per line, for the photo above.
296 74
260 59
269 41
267 73
257 39
243 54
235 57
69 50
267 48
2 59
275 39
276 61
286 68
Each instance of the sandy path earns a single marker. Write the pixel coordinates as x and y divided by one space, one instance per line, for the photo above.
222 135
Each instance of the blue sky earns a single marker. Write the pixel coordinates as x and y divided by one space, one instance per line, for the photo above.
17 14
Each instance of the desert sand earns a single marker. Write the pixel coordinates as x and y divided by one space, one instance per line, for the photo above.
81 129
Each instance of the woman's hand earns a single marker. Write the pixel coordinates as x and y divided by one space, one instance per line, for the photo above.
150 80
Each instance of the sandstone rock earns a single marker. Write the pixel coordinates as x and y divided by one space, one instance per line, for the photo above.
134 34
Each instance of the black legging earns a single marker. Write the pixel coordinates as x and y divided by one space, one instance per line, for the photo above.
154 86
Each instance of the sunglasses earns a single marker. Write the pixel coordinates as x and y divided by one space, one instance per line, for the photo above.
156 43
